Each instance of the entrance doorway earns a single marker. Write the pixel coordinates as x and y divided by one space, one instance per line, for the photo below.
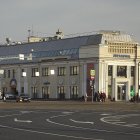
121 91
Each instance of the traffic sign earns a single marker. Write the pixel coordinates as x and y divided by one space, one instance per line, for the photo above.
92 77
92 72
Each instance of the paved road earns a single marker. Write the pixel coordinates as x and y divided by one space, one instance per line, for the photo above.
69 123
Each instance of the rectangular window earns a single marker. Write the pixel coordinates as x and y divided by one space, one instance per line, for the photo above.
122 71
61 92
4 90
4 75
22 90
22 71
61 71
45 71
45 92
132 71
74 70
34 92
8 73
34 70
13 73
110 70
61 89
74 92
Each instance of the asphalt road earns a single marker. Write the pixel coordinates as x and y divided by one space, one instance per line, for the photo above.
32 123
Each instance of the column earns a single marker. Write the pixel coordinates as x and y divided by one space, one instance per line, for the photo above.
53 82
128 91
67 94
19 80
114 84
106 80
136 77
26 82
84 79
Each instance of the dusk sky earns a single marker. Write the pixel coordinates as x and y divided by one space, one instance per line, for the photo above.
44 17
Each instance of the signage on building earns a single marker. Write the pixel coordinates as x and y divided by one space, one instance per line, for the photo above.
121 55
92 74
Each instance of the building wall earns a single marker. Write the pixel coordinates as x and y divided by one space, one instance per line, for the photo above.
108 52
102 80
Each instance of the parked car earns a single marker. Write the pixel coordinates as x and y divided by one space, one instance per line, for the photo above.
10 96
23 98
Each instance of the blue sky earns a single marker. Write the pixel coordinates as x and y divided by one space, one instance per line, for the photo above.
71 16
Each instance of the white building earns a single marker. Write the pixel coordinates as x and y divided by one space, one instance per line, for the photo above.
62 69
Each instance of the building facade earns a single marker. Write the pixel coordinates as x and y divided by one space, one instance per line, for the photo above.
67 68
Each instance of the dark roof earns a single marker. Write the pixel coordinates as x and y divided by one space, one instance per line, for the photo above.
53 45
63 47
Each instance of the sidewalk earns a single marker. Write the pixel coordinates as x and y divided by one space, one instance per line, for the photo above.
71 105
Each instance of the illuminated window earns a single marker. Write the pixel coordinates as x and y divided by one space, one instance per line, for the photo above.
34 70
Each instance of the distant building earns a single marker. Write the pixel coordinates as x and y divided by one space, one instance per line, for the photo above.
65 68
58 35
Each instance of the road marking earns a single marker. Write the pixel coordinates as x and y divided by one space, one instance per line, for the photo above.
119 122
52 134
131 125
24 121
58 116
116 120
80 121
67 112
91 129
105 114
23 112
9 115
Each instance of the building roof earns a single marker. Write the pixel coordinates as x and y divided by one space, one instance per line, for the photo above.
61 47
60 44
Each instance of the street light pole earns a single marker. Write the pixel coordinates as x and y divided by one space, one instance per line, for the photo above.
93 90
92 84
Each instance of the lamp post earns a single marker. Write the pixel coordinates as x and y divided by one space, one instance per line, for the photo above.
92 84
92 77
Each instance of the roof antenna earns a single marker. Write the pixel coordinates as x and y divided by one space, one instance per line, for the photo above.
32 33
29 32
